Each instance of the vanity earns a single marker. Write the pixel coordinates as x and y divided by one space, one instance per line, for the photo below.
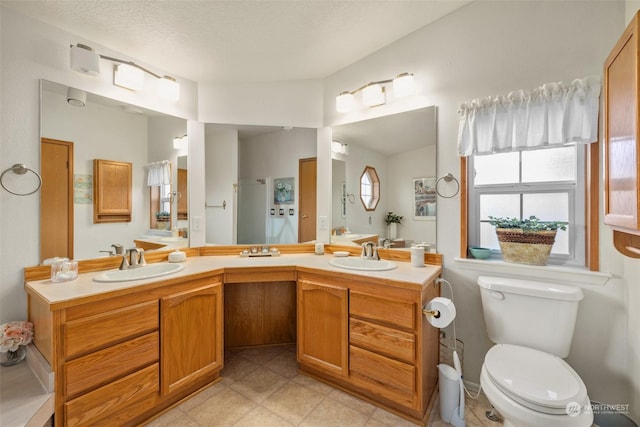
125 351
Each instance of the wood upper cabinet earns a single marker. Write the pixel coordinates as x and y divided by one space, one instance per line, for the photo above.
111 191
191 343
323 331
621 136
183 193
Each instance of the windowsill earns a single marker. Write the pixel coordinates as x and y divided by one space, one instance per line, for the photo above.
551 273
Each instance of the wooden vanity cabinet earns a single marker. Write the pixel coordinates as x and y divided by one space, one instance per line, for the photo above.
391 350
120 359
191 335
622 141
323 335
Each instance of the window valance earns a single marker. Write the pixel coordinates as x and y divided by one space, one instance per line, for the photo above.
554 114
159 173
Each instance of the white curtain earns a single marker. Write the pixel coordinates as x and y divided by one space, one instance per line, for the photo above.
159 173
554 114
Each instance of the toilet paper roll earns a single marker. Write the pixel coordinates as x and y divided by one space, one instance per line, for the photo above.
417 257
446 310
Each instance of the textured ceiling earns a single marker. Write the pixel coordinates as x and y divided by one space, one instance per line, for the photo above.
241 40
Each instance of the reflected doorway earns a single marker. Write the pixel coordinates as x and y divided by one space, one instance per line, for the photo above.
252 210
56 199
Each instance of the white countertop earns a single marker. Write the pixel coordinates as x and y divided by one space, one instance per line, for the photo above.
84 285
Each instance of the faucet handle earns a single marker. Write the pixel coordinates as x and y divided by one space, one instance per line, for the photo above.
125 263
141 261
118 248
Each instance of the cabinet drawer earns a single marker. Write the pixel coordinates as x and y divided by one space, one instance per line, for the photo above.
98 331
102 367
394 343
132 395
382 376
397 313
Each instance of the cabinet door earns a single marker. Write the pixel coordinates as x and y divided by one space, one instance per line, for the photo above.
191 328
621 132
111 191
323 327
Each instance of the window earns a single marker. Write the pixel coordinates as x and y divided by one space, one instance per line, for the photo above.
369 188
547 183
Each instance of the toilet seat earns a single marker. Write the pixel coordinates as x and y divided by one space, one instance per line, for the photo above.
540 381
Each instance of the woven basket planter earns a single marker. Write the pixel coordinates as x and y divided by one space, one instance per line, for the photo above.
525 247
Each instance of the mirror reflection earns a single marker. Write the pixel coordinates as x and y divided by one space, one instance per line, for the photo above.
77 128
402 150
266 194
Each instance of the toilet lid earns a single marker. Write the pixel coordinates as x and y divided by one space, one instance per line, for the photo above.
538 380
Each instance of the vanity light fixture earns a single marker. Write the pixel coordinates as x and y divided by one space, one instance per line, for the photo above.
374 93
127 74
181 142
339 147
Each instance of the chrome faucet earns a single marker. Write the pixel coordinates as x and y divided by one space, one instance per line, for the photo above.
135 259
369 251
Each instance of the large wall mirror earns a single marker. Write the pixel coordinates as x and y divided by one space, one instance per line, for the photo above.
92 127
260 184
402 149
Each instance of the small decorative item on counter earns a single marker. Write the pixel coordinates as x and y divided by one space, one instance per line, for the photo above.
14 336
177 256
319 248
64 270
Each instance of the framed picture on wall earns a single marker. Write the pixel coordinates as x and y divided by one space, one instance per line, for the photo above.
284 191
424 199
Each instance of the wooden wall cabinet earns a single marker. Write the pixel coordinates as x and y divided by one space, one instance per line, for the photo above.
111 191
183 193
622 141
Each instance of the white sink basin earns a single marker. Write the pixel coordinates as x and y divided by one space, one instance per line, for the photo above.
354 263
139 273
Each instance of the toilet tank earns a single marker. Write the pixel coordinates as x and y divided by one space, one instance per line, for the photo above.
528 313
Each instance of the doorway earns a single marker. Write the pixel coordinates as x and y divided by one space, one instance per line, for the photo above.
307 207
252 211
56 199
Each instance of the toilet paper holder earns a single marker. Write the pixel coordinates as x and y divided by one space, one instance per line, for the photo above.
434 313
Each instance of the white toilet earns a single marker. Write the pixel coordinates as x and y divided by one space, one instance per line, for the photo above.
523 375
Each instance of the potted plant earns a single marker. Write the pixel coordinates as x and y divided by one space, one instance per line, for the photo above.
392 220
162 219
528 240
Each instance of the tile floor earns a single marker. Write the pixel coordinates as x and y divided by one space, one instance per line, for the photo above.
262 387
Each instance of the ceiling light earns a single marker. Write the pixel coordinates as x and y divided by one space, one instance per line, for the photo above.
345 102
129 77
85 60
76 97
374 93
403 85
168 88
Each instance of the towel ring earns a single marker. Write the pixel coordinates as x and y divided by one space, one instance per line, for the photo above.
20 169
448 178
